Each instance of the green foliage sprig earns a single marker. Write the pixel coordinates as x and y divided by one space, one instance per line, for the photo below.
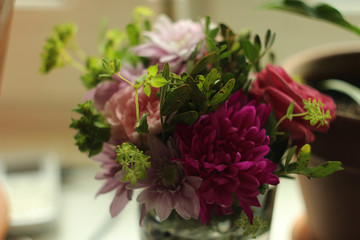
55 52
93 131
133 162
301 166
315 113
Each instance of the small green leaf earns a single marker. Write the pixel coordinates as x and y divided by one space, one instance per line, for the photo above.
267 38
158 81
251 51
210 79
147 89
290 110
303 157
223 93
143 126
152 70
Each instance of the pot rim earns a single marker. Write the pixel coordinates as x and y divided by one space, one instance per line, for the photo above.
320 52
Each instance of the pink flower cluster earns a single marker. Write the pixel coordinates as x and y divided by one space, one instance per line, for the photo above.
200 168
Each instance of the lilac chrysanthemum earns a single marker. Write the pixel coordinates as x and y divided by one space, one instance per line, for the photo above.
171 42
227 150
111 169
166 186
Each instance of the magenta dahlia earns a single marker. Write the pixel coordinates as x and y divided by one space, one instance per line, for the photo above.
227 150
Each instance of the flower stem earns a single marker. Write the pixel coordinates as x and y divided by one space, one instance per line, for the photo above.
72 61
127 81
137 104
285 117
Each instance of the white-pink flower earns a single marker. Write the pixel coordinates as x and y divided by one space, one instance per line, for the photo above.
171 42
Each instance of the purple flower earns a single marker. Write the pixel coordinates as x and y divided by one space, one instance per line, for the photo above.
227 150
111 170
167 187
171 42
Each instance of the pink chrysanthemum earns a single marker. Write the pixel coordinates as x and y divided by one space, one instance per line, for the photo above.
166 186
111 169
171 42
227 150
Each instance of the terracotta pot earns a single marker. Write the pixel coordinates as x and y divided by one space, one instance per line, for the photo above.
333 203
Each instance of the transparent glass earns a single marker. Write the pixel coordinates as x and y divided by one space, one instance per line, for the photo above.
220 228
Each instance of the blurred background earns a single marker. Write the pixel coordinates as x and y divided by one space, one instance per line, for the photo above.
35 110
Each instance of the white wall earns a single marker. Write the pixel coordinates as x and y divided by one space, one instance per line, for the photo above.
35 110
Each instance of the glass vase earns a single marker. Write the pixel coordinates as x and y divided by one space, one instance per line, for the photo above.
219 228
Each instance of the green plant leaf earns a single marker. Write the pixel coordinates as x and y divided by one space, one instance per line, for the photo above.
195 93
251 51
210 80
143 126
187 118
175 99
202 64
147 89
166 71
325 169
303 157
152 70
223 93
158 81
320 11
290 110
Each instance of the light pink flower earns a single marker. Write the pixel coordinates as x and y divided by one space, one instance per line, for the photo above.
167 187
120 112
227 150
111 168
171 42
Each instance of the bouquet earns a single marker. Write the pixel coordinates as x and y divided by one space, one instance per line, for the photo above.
188 113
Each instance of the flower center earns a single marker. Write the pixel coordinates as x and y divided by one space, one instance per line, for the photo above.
169 175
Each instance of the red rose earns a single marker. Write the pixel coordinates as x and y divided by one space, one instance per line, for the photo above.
275 86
